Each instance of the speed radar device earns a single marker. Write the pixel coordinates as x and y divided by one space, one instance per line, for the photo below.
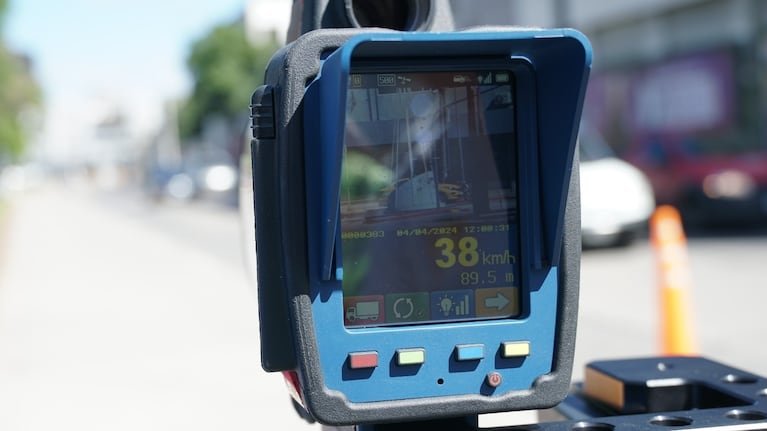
417 220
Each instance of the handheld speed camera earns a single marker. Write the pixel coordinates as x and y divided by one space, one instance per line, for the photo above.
417 220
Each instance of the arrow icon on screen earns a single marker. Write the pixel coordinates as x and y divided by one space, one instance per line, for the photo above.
498 302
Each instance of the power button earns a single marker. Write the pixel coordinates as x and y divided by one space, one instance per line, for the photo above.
494 379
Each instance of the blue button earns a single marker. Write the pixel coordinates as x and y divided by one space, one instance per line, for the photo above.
469 352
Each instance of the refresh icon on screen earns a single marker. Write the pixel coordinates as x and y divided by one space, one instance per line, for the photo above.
407 307
403 308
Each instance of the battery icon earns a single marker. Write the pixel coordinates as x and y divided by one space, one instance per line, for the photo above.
501 78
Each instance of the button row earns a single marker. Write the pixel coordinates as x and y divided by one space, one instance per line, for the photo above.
417 356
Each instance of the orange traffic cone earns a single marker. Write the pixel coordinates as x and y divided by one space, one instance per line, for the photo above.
675 282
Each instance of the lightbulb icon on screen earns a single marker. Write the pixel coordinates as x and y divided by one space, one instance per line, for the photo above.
446 304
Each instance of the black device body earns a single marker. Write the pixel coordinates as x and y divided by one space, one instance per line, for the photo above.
284 218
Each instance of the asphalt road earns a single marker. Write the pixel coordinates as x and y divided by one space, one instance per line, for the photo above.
618 315
119 314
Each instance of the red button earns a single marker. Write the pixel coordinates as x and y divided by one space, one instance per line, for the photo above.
359 360
494 379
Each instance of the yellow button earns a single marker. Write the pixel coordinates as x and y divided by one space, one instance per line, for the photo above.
515 349
410 356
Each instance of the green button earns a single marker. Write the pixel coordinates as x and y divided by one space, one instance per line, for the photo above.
410 357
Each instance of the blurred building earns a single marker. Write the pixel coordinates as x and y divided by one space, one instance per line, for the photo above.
678 87
109 148
662 68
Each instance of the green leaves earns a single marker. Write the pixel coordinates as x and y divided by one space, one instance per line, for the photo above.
18 91
226 69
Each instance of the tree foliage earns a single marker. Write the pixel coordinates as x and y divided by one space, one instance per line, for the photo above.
226 69
18 91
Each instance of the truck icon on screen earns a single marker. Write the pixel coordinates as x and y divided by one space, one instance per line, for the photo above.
367 310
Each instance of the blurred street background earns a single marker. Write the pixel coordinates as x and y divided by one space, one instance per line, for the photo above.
127 293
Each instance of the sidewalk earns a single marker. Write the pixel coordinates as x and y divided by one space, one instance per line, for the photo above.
107 323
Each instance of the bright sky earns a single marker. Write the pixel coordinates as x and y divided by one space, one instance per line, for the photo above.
93 55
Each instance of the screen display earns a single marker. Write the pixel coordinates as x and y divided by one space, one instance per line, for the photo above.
429 217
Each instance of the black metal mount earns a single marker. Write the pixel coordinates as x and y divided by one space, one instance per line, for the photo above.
651 394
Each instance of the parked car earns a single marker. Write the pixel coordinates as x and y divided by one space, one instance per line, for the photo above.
616 198
709 184
203 174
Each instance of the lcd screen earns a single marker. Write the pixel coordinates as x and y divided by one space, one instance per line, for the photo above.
429 198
